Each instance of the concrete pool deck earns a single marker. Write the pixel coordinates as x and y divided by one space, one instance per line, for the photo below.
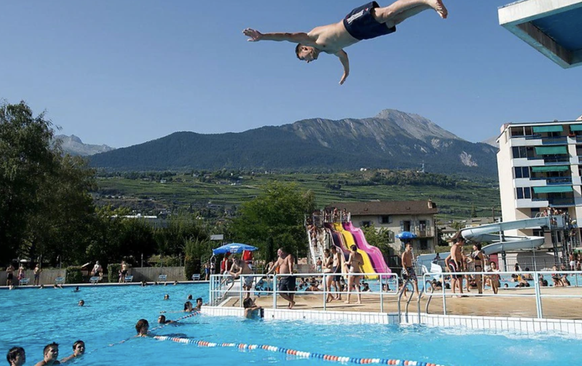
512 302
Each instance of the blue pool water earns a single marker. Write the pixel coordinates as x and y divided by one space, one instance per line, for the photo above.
32 318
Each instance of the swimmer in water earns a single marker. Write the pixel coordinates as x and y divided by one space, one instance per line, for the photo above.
188 307
78 351
142 328
51 355
252 310
198 306
16 356
162 320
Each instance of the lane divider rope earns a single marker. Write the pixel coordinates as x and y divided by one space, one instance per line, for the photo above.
302 354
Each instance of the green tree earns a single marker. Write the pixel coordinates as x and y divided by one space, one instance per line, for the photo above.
180 229
380 238
196 252
275 219
63 225
25 158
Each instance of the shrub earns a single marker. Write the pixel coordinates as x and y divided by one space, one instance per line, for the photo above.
113 272
74 275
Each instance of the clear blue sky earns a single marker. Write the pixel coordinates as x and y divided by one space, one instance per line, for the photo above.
124 72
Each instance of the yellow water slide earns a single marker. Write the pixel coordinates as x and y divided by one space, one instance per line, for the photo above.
349 241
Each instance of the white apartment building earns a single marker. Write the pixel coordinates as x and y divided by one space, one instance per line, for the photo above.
539 166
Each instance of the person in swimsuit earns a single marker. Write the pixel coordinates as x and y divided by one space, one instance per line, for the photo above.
494 277
198 306
142 327
336 269
252 310
51 355
365 22
456 262
9 275
287 284
355 262
78 351
408 272
242 268
478 263
16 356
37 271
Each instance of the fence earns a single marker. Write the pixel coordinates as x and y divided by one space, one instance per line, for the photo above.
536 301
47 276
148 274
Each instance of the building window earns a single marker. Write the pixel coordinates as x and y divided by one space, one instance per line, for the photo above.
423 244
385 219
519 152
538 232
523 192
366 224
521 172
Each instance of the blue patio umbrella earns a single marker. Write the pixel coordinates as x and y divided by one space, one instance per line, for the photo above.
406 236
233 248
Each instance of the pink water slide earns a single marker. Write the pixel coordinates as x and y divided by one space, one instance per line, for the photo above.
374 253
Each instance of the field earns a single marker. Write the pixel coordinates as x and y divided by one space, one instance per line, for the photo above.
150 193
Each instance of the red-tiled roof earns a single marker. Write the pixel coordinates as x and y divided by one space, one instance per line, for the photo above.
387 207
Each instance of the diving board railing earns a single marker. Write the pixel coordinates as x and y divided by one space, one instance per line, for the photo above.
224 287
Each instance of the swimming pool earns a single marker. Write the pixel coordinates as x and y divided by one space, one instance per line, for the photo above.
33 318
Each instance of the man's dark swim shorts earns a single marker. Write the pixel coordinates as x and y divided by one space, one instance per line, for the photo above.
287 284
360 23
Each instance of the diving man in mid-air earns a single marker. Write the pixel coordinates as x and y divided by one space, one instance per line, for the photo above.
366 22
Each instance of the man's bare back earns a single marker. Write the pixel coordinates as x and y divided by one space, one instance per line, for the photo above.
366 22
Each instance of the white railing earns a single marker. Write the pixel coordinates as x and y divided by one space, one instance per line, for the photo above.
534 276
223 287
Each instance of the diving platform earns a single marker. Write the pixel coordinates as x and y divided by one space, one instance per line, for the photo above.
552 27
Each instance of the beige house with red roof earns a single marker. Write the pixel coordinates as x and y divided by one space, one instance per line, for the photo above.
396 216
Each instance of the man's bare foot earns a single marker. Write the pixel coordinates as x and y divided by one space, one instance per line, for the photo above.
359 302
439 7
346 302
291 304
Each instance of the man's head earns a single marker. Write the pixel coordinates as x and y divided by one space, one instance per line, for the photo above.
142 327
306 53
51 351
281 253
199 301
409 246
162 319
16 356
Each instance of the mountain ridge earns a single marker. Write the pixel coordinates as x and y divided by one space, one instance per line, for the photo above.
391 139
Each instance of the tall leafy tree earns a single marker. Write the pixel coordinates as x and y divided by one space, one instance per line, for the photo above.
26 160
45 206
275 219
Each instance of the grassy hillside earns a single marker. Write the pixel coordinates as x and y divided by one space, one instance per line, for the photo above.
149 193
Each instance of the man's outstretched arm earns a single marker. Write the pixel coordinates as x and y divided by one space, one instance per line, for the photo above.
343 57
255 35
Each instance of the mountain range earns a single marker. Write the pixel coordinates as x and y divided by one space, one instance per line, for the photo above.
73 145
390 140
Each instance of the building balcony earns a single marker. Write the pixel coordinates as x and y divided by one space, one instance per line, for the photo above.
422 233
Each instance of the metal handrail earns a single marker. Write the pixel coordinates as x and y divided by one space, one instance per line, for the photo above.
218 288
536 287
